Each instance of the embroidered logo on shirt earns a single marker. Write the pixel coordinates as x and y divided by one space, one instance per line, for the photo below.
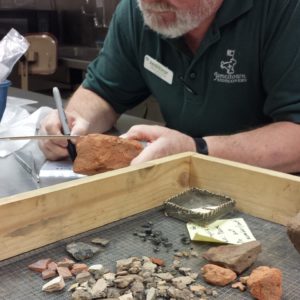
228 67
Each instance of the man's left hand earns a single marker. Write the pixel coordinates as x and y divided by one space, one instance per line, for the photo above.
161 141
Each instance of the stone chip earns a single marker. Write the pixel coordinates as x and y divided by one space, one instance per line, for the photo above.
235 257
54 285
81 251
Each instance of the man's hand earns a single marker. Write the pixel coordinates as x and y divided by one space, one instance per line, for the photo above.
50 125
161 142
87 113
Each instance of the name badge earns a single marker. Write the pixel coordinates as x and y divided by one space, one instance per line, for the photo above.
158 69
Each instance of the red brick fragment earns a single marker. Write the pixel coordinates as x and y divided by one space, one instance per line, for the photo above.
64 272
265 283
48 274
40 265
98 153
216 275
78 268
52 266
66 262
157 261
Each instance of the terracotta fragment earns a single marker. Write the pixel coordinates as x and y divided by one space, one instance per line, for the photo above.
157 261
52 266
235 257
48 274
97 153
66 262
216 275
64 272
78 268
265 283
40 265
293 231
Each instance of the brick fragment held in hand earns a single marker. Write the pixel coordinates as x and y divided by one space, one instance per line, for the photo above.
97 153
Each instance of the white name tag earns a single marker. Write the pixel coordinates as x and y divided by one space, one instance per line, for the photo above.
158 69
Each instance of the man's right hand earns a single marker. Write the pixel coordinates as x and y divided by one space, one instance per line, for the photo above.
50 125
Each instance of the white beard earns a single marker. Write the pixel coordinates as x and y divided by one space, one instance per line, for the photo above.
185 20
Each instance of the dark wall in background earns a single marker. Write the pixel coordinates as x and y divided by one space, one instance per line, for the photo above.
78 21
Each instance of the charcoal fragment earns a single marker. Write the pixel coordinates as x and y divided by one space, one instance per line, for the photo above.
185 240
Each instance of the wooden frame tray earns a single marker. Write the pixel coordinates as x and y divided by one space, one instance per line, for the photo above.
37 218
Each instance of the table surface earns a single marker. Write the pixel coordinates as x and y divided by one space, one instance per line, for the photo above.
16 179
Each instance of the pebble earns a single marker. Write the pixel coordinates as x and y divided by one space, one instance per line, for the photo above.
81 251
56 284
100 241
239 285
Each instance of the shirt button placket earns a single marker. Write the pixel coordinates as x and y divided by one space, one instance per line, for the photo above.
193 75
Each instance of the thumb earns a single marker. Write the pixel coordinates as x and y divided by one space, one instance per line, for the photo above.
80 127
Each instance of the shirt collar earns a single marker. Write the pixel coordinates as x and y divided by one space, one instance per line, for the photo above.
231 10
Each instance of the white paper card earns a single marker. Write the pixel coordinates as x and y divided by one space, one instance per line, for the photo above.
229 231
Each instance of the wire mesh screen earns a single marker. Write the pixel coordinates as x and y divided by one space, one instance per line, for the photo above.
17 282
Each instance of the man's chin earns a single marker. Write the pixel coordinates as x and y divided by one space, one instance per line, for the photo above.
161 28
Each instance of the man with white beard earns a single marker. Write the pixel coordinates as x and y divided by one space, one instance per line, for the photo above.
226 74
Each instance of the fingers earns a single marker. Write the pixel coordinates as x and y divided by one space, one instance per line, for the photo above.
144 132
53 149
79 126
163 142
153 150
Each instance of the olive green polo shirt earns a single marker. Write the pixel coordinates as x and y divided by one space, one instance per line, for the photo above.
246 72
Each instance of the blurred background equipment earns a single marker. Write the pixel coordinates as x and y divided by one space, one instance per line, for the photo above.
40 58
80 27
